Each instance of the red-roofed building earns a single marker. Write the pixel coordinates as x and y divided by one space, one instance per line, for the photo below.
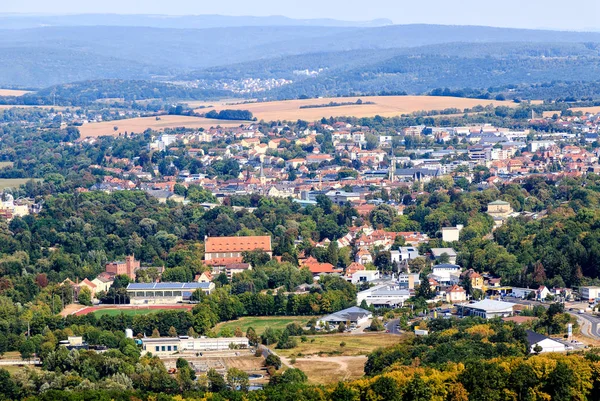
317 268
226 250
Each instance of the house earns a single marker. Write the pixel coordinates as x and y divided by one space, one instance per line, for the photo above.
543 343
437 254
204 277
404 254
499 210
456 294
487 309
363 257
173 345
225 250
451 234
103 282
165 293
317 268
363 276
475 278
127 267
353 315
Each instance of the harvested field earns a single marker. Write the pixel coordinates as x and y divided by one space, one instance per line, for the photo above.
12 92
333 369
385 106
139 125
6 164
584 110
354 344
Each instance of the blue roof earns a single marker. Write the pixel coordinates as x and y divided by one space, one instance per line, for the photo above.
167 286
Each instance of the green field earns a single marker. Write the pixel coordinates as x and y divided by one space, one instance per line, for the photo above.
12 182
127 312
260 324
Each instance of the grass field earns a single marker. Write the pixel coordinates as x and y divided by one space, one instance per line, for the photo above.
141 124
12 92
12 182
385 106
128 312
356 344
260 324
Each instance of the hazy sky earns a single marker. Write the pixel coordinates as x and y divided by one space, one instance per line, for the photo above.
553 14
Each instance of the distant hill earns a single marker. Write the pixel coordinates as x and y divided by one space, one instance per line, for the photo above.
410 58
21 21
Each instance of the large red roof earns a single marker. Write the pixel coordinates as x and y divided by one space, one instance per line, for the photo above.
238 244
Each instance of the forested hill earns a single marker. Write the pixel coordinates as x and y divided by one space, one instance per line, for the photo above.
70 53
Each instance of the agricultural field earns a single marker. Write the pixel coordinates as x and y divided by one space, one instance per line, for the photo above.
330 344
584 110
141 124
260 324
385 106
12 92
5 164
12 182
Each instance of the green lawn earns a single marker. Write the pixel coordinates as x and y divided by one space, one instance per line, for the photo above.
128 312
260 324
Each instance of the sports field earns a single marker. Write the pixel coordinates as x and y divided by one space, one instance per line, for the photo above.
260 324
385 106
127 312
141 124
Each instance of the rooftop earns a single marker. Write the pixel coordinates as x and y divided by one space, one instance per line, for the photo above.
238 244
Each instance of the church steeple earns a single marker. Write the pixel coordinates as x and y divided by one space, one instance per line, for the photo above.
263 178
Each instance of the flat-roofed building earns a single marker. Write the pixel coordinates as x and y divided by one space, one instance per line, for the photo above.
589 294
165 293
487 309
171 345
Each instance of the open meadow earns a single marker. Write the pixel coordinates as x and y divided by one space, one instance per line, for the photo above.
141 124
332 369
385 106
12 182
260 324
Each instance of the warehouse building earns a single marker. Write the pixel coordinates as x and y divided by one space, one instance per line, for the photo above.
172 345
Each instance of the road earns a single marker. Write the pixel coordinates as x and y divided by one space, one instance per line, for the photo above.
590 324
392 326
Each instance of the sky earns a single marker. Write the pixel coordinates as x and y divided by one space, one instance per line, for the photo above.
550 14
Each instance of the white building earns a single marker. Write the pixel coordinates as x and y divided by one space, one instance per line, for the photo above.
404 253
383 296
537 145
409 280
446 273
487 309
353 315
451 234
172 345
546 344
436 253
589 294
364 276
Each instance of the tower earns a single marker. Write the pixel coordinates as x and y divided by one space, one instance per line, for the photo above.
263 178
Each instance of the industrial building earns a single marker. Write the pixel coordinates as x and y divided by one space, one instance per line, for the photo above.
172 345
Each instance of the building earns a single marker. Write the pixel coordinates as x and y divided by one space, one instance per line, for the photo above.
409 280
165 293
499 210
456 294
475 278
342 197
172 345
589 294
451 234
353 315
363 276
317 268
446 273
404 254
383 296
437 253
487 309
231 269
128 267
545 343
225 250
